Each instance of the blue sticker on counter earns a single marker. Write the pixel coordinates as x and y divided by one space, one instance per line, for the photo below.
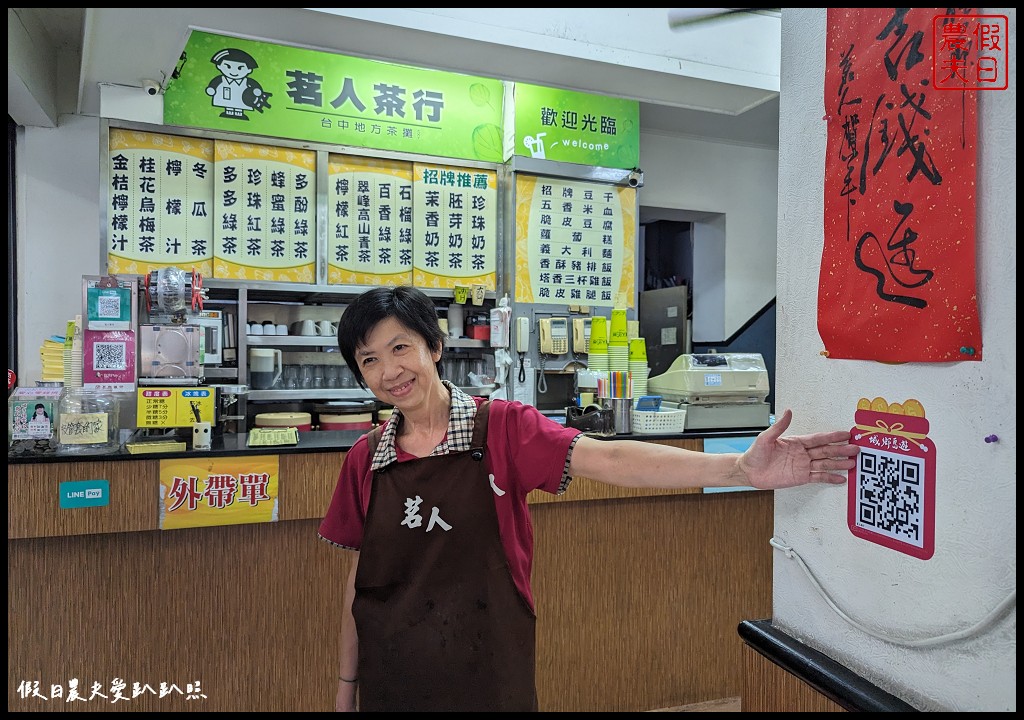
84 493
728 445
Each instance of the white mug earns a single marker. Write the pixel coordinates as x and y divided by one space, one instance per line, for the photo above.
327 329
308 327
255 329
201 435
282 329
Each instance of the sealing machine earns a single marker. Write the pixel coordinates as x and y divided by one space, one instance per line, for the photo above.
722 390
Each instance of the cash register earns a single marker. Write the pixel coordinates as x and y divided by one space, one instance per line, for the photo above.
720 390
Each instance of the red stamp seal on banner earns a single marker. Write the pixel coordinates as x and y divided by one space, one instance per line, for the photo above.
892 489
970 52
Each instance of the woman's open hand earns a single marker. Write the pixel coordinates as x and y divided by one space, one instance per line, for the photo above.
774 462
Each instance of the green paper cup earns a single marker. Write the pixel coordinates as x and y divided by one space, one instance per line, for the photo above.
598 335
619 334
638 350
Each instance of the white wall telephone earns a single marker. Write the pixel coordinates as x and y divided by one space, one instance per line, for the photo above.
554 335
522 334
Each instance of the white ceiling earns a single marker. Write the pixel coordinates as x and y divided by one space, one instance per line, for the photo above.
125 46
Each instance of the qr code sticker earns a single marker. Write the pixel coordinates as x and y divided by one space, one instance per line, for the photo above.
108 306
891 495
110 356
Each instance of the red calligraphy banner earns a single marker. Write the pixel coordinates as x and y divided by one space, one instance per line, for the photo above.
897 279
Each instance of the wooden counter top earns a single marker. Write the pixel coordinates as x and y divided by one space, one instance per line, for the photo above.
307 476
318 441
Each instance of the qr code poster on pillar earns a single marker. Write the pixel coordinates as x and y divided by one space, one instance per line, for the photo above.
892 489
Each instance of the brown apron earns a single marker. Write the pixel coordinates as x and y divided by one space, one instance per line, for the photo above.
441 624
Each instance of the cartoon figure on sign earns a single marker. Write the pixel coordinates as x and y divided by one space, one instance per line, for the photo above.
233 89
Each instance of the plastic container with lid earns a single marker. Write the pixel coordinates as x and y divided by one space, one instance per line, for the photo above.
301 420
345 414
346 421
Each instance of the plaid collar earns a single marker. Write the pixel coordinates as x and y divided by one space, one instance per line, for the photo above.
458 439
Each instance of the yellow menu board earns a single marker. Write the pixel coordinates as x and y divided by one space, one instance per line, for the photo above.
369 233
172 407
575 242
455 237
265 213
160 201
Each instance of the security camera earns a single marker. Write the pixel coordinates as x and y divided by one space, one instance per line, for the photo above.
636 178
151 86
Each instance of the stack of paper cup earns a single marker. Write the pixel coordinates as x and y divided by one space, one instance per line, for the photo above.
597 350
638 368
73 362
619 332
618 342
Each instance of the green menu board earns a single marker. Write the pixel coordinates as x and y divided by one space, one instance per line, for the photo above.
239 85
576 127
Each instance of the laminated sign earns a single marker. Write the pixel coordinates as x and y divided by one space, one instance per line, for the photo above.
892 489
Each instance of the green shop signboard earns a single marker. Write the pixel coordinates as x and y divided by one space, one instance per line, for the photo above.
232 84
576 127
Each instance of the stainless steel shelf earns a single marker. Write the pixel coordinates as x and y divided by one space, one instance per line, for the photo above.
340 394
305 293
248 293
465 343
212 371
292 340
332 342
311 394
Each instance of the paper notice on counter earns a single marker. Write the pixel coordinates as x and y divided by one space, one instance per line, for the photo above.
668 336
263 437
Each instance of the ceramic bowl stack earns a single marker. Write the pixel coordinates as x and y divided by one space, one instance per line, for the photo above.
597 348
638 368
618 342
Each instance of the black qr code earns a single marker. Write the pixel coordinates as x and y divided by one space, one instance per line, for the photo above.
108 307
110 356
890 495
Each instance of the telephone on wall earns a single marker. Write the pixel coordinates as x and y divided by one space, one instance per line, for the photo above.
554 335
522 334
580 335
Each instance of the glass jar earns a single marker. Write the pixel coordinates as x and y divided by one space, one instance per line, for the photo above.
88 422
